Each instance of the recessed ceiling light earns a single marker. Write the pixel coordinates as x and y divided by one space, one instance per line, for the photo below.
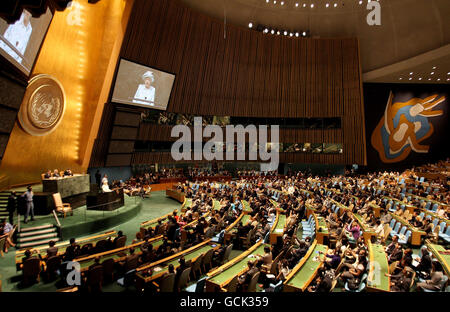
327 5
282 2
420 78
304 5
304 33
250 25
429 79
411 73
434 67
296 4
410 78
335 5
448 73
296 34
278 32
432 73
272 31
360 2
312 5
285 33
400 78
439 79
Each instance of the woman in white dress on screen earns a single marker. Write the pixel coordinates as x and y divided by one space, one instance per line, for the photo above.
18 34
145 93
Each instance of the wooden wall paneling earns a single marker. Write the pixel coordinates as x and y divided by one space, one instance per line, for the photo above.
249 74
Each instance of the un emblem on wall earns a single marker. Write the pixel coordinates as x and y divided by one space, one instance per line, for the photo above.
43 105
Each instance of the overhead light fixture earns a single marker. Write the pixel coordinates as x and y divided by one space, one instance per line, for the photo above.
432 73
250 25
335 5
296 4
411 73
304 33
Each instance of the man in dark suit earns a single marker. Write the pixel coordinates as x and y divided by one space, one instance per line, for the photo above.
52 250
98 178
12 206
72 251
425 263
401 281
244 279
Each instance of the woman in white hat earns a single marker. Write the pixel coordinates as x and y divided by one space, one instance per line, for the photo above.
145 93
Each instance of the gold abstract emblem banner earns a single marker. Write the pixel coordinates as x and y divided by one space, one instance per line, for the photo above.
43 106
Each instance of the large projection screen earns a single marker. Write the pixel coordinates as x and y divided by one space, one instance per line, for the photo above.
142 86
20 42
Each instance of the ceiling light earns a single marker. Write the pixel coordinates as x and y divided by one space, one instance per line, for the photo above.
296 34
434 67
278 32
420 78
410 78
304 5
411 73
439 79
448 73
327 5
250 25
285 33
335 5
429 79
304 33
282 2
400 78
432 73
296 4
312 5
360 2
272 31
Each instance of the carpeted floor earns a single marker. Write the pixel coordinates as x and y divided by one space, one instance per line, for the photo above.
157 205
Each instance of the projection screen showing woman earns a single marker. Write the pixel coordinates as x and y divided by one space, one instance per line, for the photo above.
145 93
142 86
20 41
18 34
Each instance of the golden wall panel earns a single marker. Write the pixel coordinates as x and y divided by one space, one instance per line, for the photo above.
79 50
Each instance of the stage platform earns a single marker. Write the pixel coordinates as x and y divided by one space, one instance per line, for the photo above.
86 221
